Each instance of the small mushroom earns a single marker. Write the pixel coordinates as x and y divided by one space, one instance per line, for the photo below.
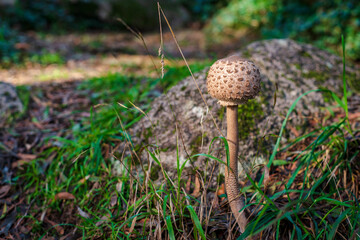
248 85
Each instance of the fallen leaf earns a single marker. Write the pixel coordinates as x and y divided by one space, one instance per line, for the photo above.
196 193
67 236
103 219
24 229
106 151
83 213
113 200
188 185
22 46
132 225
266 175
354 116
294 131
65 196
4 190
38 125
215 202
57 227
48 238
83 180
19 163
4 211
221 191
119 186
25 156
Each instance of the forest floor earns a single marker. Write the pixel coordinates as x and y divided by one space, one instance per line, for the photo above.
78 56
53 84
42 197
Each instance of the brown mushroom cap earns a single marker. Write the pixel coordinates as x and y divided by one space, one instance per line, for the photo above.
233 80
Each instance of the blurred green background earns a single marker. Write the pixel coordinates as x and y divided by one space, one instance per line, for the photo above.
319 22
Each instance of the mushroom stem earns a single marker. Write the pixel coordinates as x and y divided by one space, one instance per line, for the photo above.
231 175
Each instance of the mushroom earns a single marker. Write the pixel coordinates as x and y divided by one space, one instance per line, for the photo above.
233 81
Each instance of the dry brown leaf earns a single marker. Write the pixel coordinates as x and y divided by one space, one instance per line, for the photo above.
119 186
294 131
196 193
38 125
4 210
49 238
70 235
142 220
83 213
83 180
188 185
57 227
352 116
215 202
113 200
19 163
127 232
4 190
221 191
132 225
65 196
103 219
24 229
106 150
25 156
266 174
22 46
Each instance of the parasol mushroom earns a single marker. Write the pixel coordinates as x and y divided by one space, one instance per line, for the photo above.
233 81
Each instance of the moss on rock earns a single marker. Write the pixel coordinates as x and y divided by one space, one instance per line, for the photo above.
248 114
319 77
353 81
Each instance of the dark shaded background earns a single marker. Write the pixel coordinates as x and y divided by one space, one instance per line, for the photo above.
319 22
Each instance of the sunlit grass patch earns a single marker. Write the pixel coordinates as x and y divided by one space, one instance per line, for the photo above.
53 75
47 58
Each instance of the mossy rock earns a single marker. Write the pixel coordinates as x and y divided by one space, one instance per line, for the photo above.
288 69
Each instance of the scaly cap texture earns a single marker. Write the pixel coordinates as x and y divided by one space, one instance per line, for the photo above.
233 80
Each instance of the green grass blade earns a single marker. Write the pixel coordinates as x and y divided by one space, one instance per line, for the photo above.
209 156
272 157
170 228
337 223
168 220
344 78
196 221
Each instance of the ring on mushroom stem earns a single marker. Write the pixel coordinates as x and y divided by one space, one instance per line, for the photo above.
233 81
